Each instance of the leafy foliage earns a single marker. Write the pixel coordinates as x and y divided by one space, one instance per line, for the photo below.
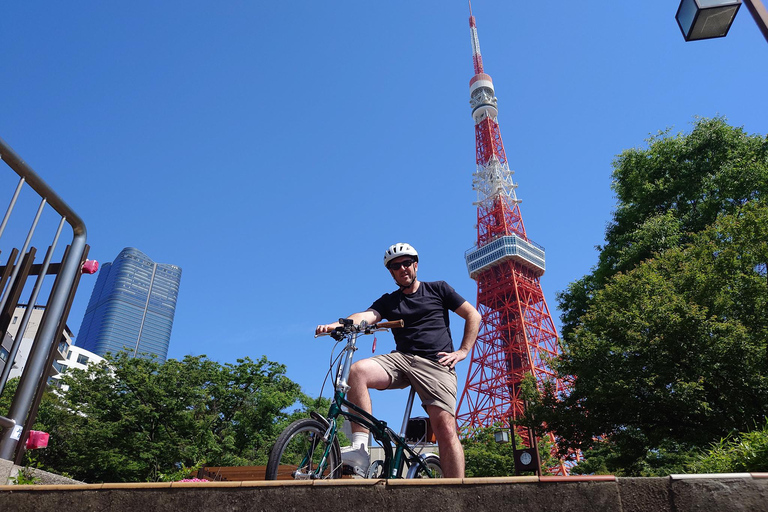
667 337
609 458
674 350
742 452
25 476
485 457
132 419
7 396
678 186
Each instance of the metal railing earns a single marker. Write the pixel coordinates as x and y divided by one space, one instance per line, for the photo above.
34 377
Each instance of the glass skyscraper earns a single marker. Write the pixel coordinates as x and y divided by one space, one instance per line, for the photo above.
132 307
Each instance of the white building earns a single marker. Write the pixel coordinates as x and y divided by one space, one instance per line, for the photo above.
77 358
28 337
67 356
80 358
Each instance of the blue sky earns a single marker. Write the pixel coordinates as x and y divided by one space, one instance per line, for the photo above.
273 150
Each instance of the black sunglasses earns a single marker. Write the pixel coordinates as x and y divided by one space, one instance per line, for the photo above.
396 266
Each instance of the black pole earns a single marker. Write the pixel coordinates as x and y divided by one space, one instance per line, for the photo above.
21 447
760 14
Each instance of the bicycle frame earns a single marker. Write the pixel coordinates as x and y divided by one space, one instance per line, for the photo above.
393 459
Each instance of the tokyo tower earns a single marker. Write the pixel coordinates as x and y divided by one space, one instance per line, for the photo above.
517 334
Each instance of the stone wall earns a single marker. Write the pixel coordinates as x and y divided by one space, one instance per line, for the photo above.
679 493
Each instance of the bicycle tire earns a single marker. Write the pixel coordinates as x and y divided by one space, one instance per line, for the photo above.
432 462
299 452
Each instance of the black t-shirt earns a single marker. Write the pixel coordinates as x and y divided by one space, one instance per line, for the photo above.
425 315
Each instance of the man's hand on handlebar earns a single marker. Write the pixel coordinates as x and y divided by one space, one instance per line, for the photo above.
338 330
368 315
326 328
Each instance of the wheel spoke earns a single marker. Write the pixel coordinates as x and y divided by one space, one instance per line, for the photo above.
301 453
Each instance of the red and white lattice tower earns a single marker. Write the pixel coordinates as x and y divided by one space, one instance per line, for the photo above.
517 334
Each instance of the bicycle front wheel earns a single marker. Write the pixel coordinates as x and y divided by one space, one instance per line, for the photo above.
301 453
432 462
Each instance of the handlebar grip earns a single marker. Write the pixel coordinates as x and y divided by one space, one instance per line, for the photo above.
390 325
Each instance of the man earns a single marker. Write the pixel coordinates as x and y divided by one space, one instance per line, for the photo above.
424 357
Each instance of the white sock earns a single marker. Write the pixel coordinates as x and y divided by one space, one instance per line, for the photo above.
360 439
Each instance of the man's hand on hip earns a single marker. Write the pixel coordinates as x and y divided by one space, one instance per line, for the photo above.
450 359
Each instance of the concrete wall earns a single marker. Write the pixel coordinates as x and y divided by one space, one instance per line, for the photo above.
9 471
701 493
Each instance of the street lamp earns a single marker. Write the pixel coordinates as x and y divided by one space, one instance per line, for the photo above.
706 19
526 459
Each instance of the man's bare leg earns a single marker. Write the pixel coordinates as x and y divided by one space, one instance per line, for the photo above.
451 451
364 375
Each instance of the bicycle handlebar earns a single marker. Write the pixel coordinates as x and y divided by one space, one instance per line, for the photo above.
388 325
347 327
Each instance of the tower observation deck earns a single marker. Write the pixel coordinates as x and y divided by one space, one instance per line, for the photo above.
508 247
517 336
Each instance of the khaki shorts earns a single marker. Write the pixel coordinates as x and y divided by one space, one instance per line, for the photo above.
434 383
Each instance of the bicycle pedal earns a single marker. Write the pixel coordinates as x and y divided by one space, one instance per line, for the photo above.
347 470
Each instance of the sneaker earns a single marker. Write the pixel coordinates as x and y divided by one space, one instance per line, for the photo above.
356 459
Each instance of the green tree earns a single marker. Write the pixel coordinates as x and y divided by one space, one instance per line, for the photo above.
675 187
132 419
665 339
608 458
672 354
485 457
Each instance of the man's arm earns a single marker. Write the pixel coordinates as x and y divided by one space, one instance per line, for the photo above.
471 326
369 315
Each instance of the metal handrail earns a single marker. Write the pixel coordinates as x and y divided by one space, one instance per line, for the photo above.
34 369
37 184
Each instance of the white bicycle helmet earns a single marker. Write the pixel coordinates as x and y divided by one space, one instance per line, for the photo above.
397 250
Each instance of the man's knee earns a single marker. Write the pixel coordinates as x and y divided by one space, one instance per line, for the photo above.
369 374
443 423
355 372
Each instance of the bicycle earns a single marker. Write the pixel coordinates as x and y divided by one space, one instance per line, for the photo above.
308 448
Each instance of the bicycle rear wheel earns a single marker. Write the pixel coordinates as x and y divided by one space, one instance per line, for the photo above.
301 453
432 462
